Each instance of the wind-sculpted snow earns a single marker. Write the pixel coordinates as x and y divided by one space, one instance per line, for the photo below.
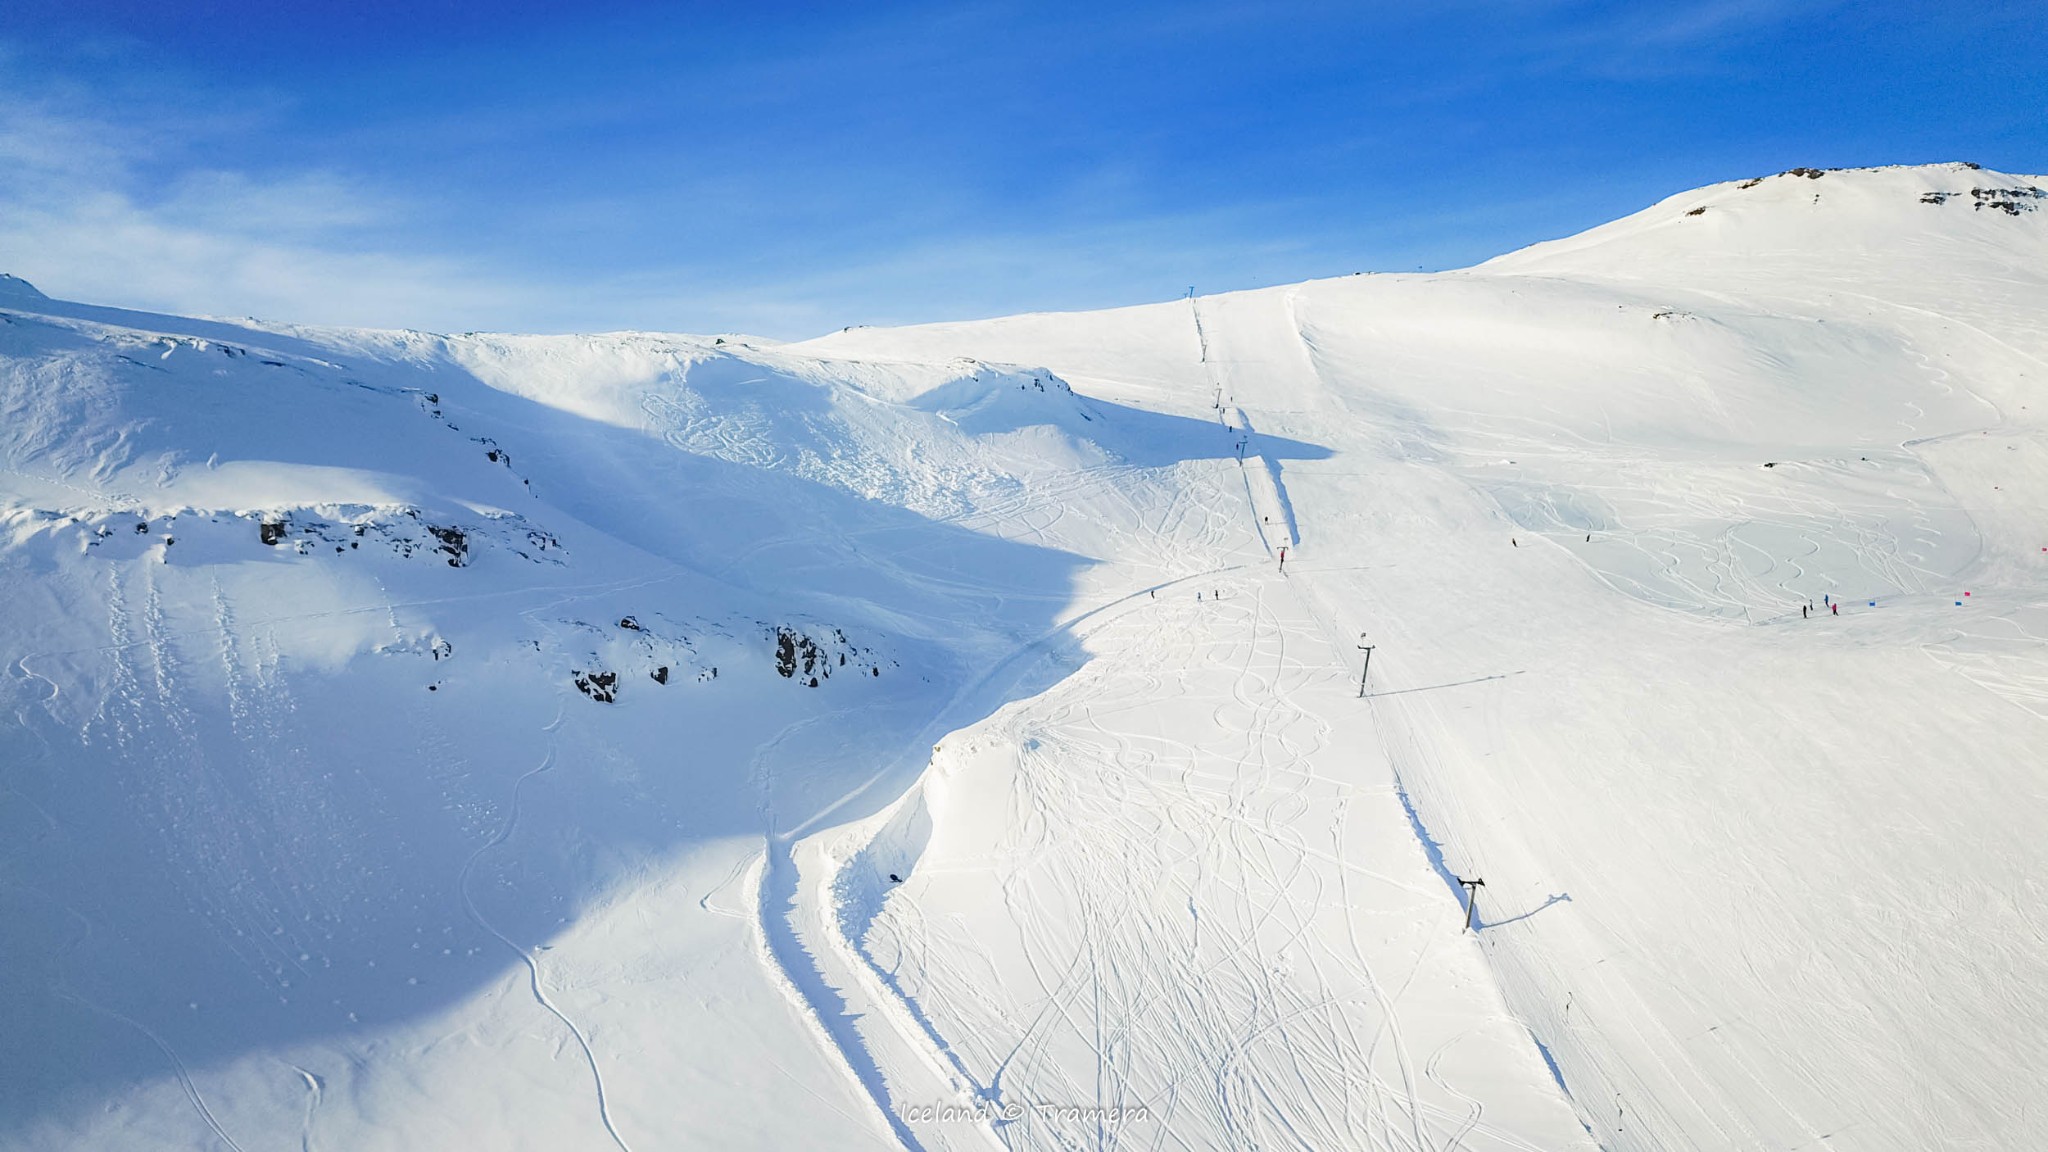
911 738
944 440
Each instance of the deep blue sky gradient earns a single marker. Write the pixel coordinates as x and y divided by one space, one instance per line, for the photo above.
791 168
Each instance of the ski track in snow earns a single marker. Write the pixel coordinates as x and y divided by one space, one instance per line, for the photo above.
1157 845
833 1008
1249 1109
533 973
315 1088
178 1069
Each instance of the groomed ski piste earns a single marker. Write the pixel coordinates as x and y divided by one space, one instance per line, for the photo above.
911 738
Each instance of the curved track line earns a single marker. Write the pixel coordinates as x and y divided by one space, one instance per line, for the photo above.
540 995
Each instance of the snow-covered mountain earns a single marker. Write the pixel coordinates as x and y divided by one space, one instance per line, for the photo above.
910 738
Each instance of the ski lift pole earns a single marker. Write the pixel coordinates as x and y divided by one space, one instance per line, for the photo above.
1471 888
1363 672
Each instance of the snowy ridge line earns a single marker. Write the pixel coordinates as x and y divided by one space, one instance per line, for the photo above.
842 925
945 720
780 929
797 971
315 1089
793 968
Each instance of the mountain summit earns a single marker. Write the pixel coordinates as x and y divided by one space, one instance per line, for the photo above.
1814 213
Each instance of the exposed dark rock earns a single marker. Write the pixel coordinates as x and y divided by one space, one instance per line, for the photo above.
454 542
660 674
2011 201
799 657
271 531
599 686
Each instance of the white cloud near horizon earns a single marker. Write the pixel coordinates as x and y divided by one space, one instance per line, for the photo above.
98 209
78 219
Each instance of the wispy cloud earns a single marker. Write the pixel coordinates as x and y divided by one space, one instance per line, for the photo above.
88 211
1642 42
791 172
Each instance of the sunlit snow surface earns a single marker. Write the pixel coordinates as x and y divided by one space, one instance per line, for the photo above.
398 751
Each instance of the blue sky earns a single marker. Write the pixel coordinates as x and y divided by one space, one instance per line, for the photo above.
786 169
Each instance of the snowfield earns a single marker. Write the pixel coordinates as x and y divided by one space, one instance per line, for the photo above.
911 738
